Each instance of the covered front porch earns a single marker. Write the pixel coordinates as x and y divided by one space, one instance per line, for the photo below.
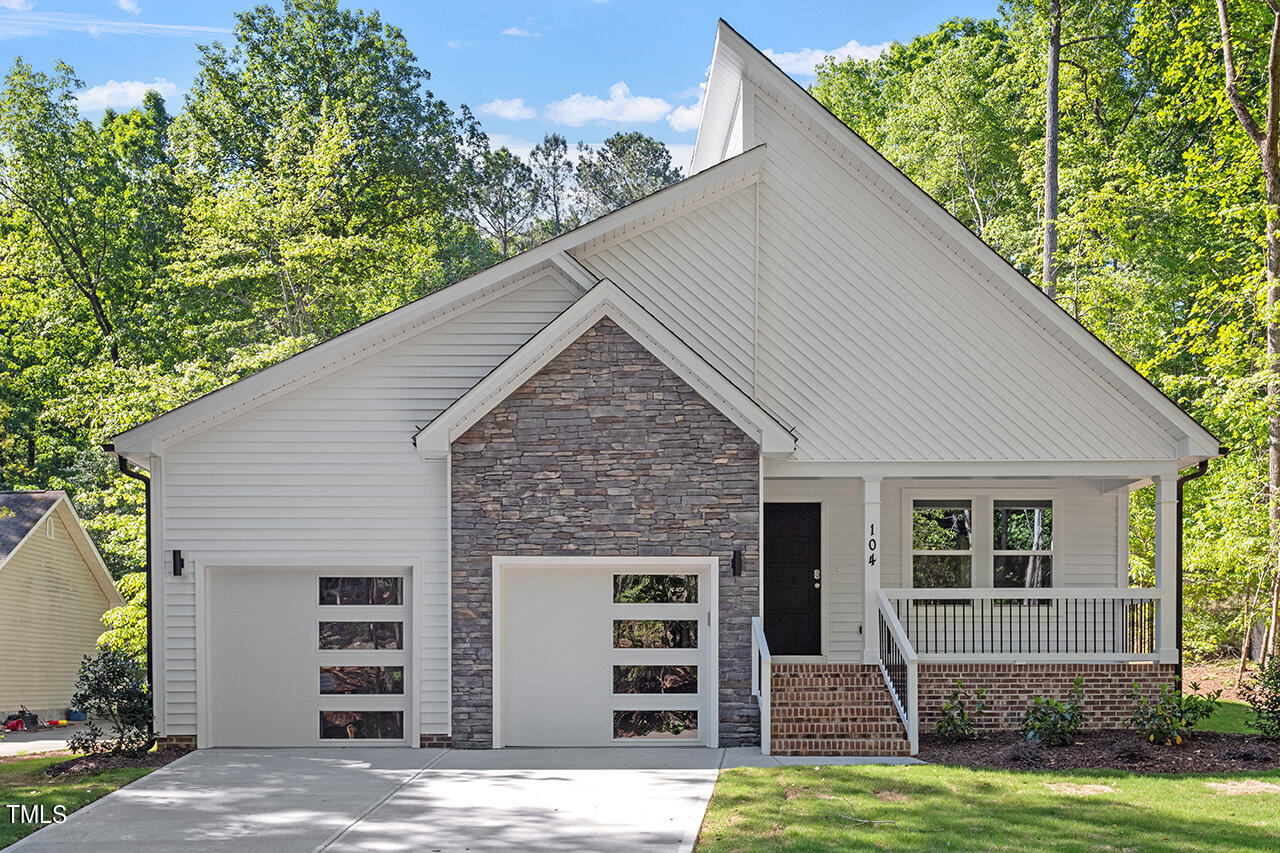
1016 584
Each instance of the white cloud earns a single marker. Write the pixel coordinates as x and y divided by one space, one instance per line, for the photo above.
681 155
685 117
122 94
622 106
49 23
130 6
804 62
458 44
511 109
16 5
514 144
520 32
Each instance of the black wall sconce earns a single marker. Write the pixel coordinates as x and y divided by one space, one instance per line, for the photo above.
177 563
736 564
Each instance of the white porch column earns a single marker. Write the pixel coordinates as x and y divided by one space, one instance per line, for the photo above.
872 537
1166 487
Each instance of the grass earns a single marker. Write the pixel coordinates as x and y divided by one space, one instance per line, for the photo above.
22 782
937 808
1230 717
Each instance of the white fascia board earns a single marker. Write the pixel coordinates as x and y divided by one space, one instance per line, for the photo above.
419 315
716 114
774 82
1133 470
606 299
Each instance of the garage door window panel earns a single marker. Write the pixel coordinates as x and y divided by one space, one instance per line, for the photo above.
361 725
655 679
375 636
371 680
362 590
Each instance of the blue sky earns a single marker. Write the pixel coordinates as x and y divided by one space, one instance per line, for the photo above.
585 68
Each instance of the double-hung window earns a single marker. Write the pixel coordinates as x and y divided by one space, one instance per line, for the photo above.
980 542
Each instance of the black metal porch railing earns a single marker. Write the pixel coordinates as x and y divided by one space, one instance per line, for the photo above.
1060 625
893 662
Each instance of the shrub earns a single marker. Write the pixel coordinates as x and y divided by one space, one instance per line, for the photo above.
956 723
1168 718
1262 692
112 688
1055 722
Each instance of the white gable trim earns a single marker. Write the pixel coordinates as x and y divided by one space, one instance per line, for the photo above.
606 299
738 59
138 443
80 540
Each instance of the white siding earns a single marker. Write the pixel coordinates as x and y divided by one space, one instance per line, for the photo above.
842 584
328 471
696 274
880 345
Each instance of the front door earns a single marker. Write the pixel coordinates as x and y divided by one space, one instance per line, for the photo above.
793 578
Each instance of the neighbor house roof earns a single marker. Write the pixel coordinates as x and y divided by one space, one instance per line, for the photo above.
20 512
26 511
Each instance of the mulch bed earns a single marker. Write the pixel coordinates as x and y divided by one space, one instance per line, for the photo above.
1119 749
84 764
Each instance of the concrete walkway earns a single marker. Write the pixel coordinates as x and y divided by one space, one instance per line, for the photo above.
360 799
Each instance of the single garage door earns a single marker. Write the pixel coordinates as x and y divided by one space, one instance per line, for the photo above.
598 652
304 657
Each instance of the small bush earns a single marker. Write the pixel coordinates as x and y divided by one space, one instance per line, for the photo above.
956 722
1262 692
1055 722
1169 717
112 688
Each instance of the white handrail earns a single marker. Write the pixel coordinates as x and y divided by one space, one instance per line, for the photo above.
1019 592
762 682
909 706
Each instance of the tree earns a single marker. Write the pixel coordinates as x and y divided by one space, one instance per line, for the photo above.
553 171
506 195
625 168
1266 136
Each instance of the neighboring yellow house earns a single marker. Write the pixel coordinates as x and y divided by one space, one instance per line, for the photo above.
54 589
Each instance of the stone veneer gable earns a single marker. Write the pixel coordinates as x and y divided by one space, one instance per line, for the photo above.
604 452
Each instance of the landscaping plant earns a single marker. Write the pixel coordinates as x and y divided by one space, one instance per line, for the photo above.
1262 692
112 688
956 722
1168 718
1055 722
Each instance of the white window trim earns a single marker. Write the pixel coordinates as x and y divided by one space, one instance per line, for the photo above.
983 545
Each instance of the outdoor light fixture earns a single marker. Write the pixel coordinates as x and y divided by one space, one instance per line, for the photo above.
736 563
177 563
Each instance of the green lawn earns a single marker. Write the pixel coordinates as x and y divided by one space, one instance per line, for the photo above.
1230 717
23 782
938 808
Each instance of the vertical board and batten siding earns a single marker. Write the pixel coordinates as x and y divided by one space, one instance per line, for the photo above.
329 471
1089 547
842 583
50 618
696 274
879 344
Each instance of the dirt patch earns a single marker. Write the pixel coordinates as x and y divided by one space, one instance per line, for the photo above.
1071 789
892 797
85 764
1217 675
1116 749
1237 787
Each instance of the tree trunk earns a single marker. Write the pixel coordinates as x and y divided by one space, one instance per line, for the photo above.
1271 170
1049 270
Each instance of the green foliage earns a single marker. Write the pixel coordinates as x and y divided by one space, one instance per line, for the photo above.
1055 722
625 168
127 625
1169 717
112 689
1262 692
956 721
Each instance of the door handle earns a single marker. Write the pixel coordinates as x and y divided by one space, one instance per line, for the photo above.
817 574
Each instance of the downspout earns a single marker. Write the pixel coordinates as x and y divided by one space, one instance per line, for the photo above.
1185 478
146 488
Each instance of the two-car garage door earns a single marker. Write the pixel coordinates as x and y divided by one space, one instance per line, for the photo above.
306 657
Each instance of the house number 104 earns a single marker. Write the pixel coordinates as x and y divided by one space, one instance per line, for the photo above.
871 547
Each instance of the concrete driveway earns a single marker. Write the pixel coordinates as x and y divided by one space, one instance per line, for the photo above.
360 799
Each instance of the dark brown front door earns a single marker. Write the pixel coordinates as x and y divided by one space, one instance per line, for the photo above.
793 578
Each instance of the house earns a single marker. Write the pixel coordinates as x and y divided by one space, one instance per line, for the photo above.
54 589
771 456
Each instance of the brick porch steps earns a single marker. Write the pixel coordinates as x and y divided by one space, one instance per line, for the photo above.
834 709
